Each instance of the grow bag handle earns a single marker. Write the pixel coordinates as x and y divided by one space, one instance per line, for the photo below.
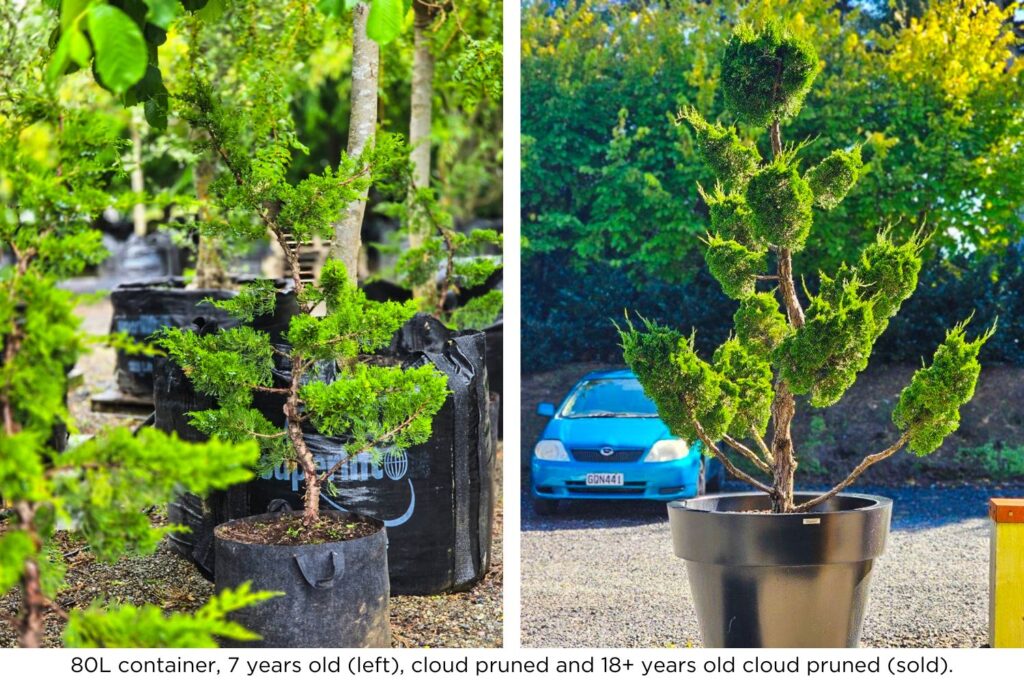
337 562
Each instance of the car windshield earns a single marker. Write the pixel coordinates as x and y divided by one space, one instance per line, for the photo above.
609 398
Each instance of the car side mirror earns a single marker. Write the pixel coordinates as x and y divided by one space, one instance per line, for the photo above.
546 409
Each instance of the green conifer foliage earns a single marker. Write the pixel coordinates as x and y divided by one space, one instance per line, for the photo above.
834 176
60 168
781 351
730 217
731 159
823 356
751 377
766 74
370 406
759 324
780 204
734 266
928 409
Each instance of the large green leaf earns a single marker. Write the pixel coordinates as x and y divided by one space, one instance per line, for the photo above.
120 49
385 20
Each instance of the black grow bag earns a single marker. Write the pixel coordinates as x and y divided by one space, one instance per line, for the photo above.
437 500
143 308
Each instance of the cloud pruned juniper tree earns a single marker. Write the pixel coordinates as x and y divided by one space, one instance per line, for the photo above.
60 168
370 405
761 211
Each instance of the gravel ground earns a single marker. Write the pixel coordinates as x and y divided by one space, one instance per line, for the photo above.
603 575
470 619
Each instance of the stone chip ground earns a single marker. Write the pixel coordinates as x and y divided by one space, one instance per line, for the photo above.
603 575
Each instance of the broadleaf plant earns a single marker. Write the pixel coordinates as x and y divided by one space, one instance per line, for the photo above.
368 404
763 212
59 170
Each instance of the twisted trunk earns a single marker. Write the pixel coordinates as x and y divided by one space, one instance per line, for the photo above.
362 125
33 601
784 405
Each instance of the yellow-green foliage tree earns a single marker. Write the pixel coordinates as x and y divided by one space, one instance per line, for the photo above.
764 211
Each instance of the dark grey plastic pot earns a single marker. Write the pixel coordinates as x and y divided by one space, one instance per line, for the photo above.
779 580
335 594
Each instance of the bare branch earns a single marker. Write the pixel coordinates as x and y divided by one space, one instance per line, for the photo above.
731 468
747 453
765 451
852 476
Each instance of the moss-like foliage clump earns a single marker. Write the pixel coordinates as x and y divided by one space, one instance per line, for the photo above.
750 377
734 266
929 409
824 356
682 386
888 273
759 324
765 75
732 160
780 204
834 176
731 217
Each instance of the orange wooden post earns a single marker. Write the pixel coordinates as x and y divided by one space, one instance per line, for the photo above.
1006 573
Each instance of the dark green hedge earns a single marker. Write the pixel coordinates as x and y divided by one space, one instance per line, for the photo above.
569 315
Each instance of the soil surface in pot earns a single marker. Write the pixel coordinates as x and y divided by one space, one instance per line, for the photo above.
289 530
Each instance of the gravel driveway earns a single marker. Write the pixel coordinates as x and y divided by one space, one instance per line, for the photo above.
603 574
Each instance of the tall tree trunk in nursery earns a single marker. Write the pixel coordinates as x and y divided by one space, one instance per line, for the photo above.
210 273
138 180
421 106
362 124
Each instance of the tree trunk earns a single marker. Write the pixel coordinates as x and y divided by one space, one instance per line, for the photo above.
30 631
362 125
784 405
138 180
210 273
420 122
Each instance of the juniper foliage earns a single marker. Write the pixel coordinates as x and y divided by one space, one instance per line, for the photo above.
371 406
59 170
780 350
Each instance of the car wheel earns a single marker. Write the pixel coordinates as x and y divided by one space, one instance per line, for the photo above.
715 484
545 506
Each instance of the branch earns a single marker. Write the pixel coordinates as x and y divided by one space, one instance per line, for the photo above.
852 476
765 451
747 453
731 468
373 444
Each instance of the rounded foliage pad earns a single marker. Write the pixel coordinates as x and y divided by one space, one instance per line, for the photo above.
765 75
780 204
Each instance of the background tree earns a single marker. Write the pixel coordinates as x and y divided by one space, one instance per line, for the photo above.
610 183
761 210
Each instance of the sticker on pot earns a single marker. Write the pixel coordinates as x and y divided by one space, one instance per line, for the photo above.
385 486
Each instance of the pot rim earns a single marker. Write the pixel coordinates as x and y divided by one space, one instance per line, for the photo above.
218 534
876 502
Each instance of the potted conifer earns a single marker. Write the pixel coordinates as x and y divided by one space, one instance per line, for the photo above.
59 170
331 565
779 568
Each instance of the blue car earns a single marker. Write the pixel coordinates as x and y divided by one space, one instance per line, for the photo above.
606 442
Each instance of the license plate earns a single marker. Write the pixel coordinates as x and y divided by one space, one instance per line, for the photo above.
607 479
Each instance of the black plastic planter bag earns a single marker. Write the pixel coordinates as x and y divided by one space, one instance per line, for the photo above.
143 308
437 500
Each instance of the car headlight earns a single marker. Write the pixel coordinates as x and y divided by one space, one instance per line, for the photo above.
550 449
668 449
